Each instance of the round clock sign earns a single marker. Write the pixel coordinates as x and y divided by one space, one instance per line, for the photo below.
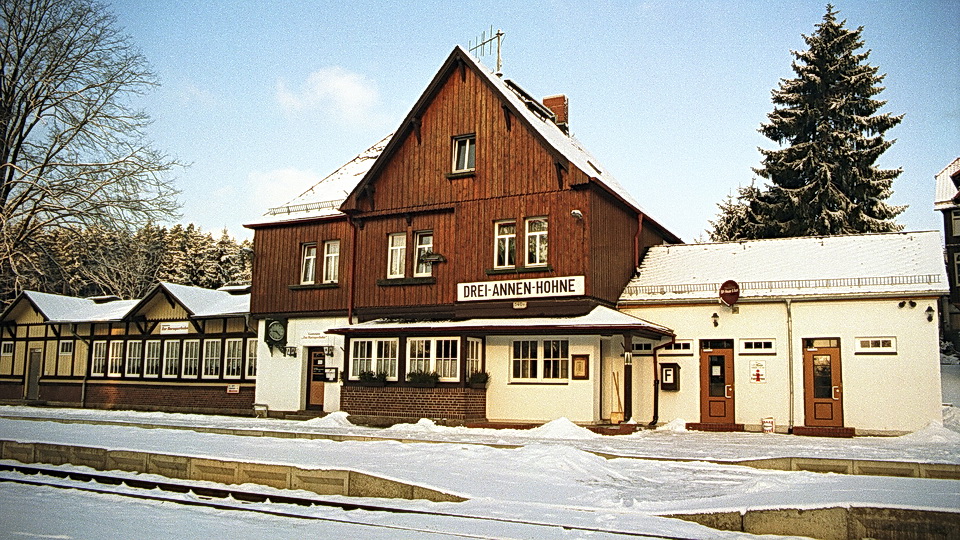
276 331
729 292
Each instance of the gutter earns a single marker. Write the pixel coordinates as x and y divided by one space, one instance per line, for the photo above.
656 382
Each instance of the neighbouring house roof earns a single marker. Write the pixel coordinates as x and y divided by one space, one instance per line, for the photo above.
324 198
200 302
600 319
68 309
823 266
947 188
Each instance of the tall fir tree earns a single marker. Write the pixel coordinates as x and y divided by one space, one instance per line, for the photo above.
824 179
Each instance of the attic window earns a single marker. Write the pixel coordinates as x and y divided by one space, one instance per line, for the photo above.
464 153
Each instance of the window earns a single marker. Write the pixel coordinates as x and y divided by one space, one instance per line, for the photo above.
474 347
116 359
435 354
955 217
396 255
171 358
98 362
556 358
66 348
191 358
525 359
375 355
424 245
308 264
134 358
536 241
505 249
956 268
331 261
464 153
642 349
211 358
679 347
876 345
251 358
6 348
233 363
151 361
758 346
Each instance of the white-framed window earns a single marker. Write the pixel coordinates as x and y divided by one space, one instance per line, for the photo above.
171 357
875 345
65 348
151 359
955 218
536 230
308 264
758 346
211 358
556 359
642 349
6 348
331 261
474 351
134 358
396 255
956 268
680 347
115 359
423 241
464 153
525 359
374 355
191 358
251 358
233 359
505 245
441 355
98 361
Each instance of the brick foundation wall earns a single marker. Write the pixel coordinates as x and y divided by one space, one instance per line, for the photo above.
61 392
199 399
11 390
415 403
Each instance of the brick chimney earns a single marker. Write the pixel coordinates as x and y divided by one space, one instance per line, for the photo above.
560 107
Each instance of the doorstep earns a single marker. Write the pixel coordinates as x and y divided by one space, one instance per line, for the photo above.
701 426
846 432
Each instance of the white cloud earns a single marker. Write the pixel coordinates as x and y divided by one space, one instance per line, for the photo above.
191 93
274 188
348 96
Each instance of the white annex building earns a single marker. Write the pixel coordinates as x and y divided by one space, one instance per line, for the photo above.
828 333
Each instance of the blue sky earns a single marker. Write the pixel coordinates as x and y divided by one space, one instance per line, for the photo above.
263 99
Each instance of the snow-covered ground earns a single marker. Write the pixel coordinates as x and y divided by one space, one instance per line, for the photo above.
549 474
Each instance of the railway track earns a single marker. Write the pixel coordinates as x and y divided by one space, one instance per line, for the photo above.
234 498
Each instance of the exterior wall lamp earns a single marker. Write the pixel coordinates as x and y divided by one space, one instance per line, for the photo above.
290 351
716 319
328 351
929 311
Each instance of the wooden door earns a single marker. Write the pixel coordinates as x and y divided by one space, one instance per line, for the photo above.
822 385
317 378
716 382
33 374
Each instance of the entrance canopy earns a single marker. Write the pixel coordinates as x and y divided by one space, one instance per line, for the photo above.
601 320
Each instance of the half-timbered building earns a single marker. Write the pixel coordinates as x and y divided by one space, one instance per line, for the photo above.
480 237
178 349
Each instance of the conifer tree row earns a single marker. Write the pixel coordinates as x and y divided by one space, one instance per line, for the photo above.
823 180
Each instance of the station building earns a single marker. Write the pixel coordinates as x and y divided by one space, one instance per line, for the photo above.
479 265
179 349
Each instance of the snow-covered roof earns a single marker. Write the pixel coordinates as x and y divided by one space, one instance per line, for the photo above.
69 309
200 302
600 318
946 188
324 198
823 266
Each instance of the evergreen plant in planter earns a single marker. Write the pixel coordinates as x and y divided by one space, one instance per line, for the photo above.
369 378
478 379
423 379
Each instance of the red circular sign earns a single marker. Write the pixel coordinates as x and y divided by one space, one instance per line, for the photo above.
729 292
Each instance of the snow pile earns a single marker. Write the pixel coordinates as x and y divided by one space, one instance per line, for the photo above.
935 433
949 359
951 418
562 428
334 419
422 426
677 425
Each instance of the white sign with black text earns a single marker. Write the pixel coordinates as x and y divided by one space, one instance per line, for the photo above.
520 288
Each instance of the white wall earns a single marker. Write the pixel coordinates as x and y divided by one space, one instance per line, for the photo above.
882 393
282 380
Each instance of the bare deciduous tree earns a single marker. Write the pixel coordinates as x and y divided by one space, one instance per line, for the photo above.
73 152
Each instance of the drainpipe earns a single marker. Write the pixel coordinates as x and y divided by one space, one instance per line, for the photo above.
656 382
353 272
789 306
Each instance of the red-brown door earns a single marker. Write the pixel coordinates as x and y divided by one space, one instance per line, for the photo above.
822 385
716 382
318 364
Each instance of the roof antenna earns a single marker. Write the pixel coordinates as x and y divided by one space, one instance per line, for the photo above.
485 46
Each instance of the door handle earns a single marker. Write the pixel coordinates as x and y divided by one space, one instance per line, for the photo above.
727 391
836 393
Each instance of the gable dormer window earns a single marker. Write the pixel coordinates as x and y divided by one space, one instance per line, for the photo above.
464 153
